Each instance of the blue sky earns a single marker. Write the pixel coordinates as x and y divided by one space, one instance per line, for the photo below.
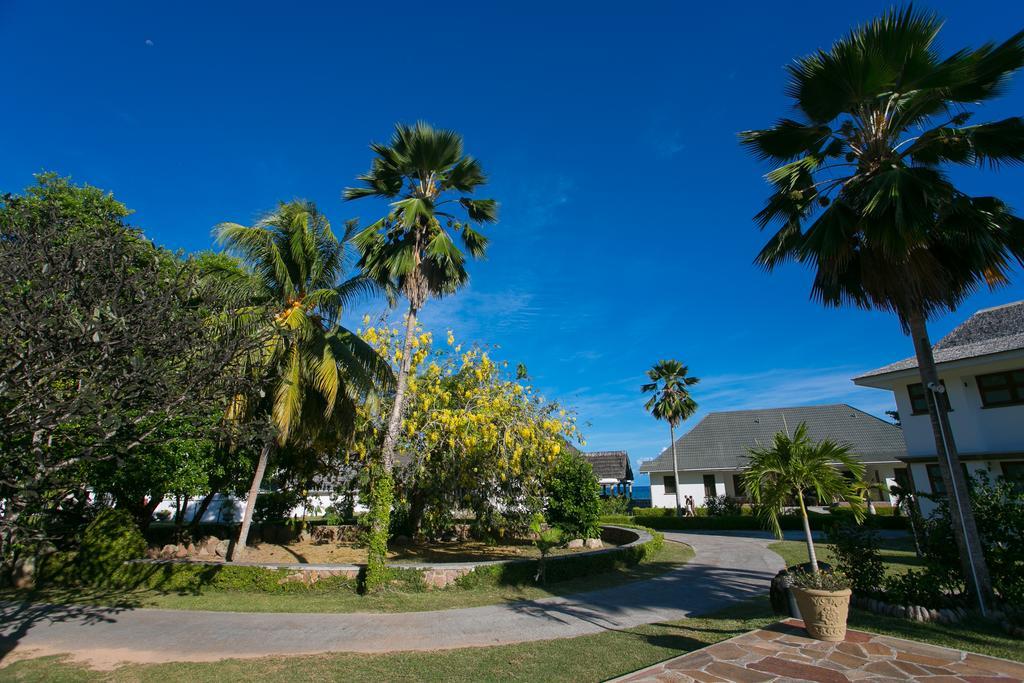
608 130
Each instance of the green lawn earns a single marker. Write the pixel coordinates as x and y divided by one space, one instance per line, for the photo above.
585 658
669 557
897 553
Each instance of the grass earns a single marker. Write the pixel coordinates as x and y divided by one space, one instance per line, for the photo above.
669 557
584 658
897 553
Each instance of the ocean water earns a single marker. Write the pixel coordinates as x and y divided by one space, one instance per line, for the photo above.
642 492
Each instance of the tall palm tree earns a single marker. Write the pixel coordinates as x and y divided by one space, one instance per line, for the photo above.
671 401
425 175
791 467
316 371
861 194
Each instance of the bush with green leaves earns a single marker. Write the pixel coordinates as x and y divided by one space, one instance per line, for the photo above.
856 555
614 505
717 506
821 580
919 588
999 513
108 542
573 502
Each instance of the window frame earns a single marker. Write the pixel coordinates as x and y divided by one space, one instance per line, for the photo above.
924 395
933 471
670 491
714 485
1012 386
1018 484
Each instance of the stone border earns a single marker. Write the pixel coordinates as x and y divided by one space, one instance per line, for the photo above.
435 574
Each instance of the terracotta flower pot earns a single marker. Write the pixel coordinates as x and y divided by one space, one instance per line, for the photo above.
824 612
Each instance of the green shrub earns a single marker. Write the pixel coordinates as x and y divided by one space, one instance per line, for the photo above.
194 578
614 505
563 567
274 506
573 497
723 506
916 588
999 513
110 540
665 520
857 556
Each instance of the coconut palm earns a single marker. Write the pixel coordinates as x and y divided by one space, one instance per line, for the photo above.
316 372
865 489
427 178
671 401
793 466
862 197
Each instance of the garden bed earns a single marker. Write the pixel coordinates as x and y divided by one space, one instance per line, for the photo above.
417 567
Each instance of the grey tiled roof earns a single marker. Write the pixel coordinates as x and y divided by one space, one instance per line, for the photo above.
722 440
991 330
610 464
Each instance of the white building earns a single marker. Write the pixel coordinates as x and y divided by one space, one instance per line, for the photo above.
713 454
981 365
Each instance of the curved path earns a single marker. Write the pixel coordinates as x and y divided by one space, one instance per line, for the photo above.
726 569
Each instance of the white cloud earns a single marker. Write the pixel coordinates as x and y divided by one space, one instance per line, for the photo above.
782 387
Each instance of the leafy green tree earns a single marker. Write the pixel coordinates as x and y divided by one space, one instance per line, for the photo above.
106 341
574 497
793 466
316 372
671 401
426 176
862 196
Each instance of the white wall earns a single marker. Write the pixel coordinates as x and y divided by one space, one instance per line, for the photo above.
975 429
691 484
221 506
921 483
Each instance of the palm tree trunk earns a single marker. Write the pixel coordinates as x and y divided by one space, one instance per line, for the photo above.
965 530
204 505
250 502
381 518
811 555
675 468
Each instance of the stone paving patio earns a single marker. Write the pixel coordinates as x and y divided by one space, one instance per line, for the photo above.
783 652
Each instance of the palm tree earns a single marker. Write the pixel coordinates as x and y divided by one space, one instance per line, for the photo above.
793 466
671 401
426 176
865 489
861 195
316 371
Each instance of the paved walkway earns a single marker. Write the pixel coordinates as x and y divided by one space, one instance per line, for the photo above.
783 652
726 569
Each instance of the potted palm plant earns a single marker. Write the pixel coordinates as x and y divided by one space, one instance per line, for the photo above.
785 472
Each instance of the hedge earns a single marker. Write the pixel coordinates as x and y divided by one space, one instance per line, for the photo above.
818 522
62 569
565 567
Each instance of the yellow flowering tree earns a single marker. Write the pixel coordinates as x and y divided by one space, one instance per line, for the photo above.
474 437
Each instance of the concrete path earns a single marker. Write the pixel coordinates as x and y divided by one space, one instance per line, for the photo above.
727 568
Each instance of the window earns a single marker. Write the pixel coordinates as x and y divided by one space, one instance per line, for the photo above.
737 485
710 490
902 477
919 398
670 484
935 477
1001 388
1013 472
